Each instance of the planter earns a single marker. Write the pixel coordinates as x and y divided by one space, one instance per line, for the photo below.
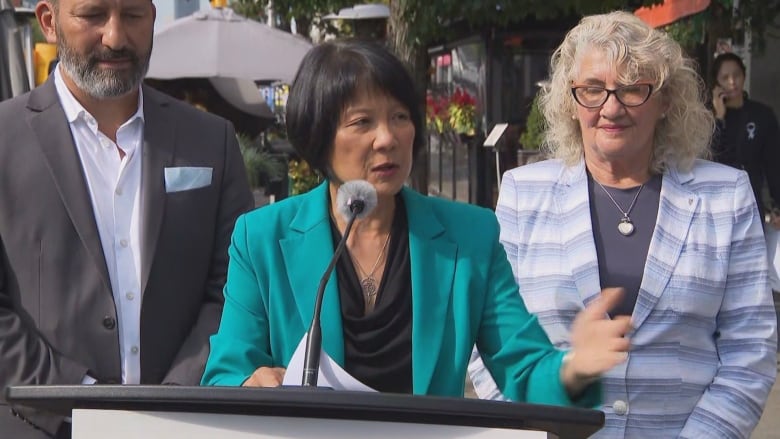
466 138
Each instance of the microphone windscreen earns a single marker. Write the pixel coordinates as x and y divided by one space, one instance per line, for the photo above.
352 191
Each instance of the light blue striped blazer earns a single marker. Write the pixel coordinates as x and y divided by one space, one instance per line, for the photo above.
703 351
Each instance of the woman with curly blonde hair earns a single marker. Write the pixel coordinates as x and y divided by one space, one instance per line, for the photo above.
628 201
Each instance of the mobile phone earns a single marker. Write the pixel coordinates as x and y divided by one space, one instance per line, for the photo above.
720 92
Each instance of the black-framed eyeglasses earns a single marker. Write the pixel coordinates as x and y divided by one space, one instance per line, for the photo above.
593 96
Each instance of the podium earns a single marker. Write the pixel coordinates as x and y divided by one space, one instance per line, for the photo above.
237 413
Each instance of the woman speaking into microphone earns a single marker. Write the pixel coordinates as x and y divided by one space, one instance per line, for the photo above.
421 279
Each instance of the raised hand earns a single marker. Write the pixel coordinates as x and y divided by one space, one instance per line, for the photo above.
598 342
266 377
719 102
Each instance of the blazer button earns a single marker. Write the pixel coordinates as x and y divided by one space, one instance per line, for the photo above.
109 322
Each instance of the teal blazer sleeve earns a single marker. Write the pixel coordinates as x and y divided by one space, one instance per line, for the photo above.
463 292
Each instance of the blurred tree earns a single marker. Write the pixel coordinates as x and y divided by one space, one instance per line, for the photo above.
249 8
416 24
305 12
429 21
700 33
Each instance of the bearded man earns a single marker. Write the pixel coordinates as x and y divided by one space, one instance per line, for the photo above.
116 209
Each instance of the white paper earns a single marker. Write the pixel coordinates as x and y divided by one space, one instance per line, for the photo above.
330 373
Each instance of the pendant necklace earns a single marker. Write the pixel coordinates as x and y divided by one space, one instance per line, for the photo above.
368 283
625 226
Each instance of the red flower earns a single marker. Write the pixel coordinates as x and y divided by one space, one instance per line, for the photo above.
461 98
456 112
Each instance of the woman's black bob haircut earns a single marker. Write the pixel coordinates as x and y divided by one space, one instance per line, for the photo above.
328 79
722 58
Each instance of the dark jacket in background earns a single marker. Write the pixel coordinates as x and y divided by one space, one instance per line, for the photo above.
748 139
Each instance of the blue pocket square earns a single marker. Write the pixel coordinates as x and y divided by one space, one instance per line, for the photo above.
186 178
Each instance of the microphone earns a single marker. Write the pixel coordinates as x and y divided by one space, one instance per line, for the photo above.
355 199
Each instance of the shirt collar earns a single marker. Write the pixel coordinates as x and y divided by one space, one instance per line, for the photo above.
73 108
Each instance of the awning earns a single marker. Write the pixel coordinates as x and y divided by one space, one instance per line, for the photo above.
670 11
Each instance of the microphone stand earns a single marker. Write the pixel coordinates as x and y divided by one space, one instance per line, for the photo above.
311 359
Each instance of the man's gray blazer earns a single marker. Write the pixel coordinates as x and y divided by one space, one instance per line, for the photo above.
58 321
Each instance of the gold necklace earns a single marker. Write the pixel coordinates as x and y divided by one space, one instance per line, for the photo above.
368 283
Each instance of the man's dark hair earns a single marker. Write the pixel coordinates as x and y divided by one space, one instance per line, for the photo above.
328 79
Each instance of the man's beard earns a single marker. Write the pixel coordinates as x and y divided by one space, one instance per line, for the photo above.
102 83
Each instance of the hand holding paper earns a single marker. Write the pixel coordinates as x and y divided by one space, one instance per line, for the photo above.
265 377
330 373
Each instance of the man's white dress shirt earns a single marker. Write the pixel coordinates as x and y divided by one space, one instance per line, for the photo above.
114 187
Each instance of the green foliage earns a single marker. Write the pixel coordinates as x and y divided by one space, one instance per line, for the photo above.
532 136
37 33
430 20
304 11
457 112
261 165
248 8
689 32
719 21
463 112
302 178
760 15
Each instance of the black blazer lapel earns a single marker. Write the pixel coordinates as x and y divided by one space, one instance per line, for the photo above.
158 150
50 125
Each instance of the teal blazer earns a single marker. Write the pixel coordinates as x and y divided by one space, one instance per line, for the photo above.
463 292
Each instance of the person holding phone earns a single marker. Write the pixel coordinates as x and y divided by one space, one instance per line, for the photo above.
746 134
